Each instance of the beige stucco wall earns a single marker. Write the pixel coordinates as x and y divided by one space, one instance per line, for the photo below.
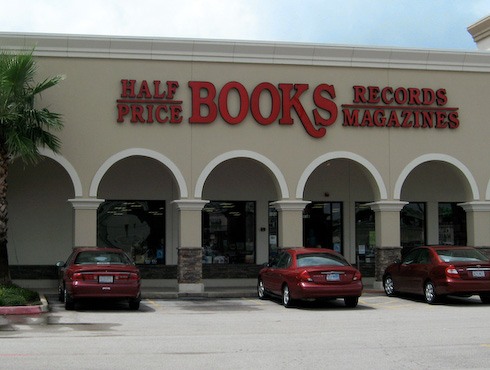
362 162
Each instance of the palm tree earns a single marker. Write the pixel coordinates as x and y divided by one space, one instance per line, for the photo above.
23 128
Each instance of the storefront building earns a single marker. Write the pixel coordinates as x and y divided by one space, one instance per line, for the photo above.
203 158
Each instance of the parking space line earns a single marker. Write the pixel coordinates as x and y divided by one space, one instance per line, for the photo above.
253 300
153 303
390 303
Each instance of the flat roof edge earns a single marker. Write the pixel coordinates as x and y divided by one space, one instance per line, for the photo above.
233 51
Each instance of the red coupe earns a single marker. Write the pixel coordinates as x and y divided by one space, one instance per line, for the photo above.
310 273
99 273
438 271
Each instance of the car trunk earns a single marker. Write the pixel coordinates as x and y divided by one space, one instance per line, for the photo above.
332 274
109 274
473 271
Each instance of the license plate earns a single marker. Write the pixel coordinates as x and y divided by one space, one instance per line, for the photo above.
106 279
333 277
478 273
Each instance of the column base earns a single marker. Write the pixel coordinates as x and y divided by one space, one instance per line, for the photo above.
384 256
189 269
189 288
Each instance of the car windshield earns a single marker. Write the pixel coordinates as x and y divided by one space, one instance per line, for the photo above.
102 257
319 259
461 255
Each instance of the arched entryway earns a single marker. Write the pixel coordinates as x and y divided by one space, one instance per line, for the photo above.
40 228
135 214
239 224
340 187
435 187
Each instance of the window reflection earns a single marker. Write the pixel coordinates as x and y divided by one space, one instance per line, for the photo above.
228 229
137 227
365 239
412 225
452 224
322 225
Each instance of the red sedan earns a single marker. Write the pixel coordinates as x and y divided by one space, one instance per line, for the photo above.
99 273
310 273
438 271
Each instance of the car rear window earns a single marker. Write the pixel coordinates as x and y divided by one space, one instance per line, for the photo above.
319 259
461 255
95 257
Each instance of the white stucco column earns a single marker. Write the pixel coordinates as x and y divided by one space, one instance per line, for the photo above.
477 223
388 244
290 222
387 218
85 221
189 265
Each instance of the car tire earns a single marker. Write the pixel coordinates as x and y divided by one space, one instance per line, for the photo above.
261 290
69 302
287 301
485 298
389 286
134 304
351 302
430 295
61 294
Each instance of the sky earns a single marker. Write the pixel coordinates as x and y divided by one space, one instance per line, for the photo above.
440 24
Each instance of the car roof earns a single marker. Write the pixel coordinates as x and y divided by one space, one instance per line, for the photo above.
312 250
91 249
438 247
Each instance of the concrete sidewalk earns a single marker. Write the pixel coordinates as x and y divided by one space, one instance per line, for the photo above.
155 293
173 293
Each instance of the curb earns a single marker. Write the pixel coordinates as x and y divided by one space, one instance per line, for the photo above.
26 310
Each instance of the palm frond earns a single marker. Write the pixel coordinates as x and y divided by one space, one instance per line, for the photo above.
23 126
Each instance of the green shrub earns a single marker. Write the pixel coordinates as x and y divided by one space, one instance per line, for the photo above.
13 295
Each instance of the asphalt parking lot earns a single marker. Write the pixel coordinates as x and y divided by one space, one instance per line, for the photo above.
246 333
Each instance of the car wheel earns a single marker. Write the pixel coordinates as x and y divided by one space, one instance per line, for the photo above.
61 294
430 293
485 298
134 304
286 296
351 301
388 286
69 302
261 289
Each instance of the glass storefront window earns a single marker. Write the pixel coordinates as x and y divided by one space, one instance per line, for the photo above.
322 225
273 232
365 239
135 226
412 225
228 232
452 224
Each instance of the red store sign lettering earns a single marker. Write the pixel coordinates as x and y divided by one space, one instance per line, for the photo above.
371 106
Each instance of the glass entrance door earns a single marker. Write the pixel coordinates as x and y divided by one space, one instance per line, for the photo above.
322 226
365 239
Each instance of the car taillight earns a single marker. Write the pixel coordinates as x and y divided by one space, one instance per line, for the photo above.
83 276
357 276
304 276
452 272
133 276
77 276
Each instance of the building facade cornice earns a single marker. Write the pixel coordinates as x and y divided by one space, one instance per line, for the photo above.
261 52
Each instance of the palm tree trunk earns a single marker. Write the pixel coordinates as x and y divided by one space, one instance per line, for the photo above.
4 260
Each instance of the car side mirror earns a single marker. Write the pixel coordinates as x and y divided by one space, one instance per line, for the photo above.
267 264
398 261
60 264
